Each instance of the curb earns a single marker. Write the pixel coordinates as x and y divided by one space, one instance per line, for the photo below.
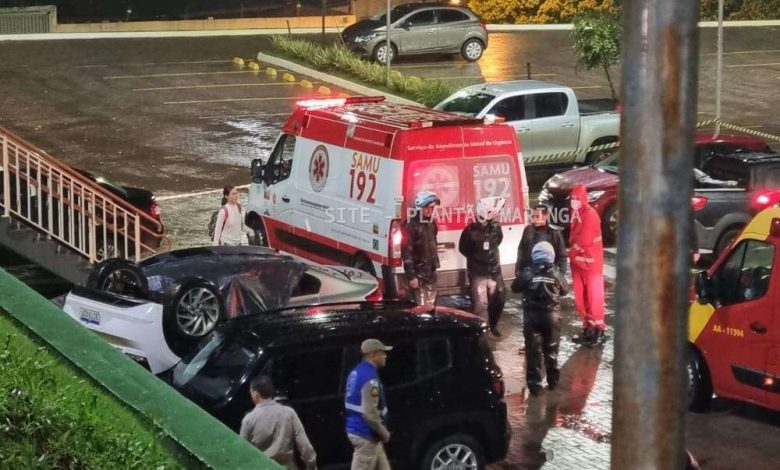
324 77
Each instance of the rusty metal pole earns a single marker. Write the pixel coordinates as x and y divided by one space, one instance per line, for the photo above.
659 84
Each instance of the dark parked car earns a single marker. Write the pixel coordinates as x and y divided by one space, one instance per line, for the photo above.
601 180
199 287
419 28
724 202
444 390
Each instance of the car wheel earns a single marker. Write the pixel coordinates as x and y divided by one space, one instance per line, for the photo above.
609 224
472 50
195 310
458 451
699 383
381 53
725 239
363 263
119 276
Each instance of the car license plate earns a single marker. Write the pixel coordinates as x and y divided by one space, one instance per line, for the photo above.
89 316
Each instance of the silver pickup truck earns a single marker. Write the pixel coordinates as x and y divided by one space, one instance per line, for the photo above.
550 122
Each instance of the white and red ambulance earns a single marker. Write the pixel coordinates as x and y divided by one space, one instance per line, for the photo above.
343 176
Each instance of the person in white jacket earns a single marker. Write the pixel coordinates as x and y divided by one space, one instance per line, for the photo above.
230 221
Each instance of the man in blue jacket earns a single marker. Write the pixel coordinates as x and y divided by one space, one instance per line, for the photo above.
366 409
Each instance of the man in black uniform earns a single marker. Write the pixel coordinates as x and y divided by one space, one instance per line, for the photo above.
479 243
420 251
541 287
540 231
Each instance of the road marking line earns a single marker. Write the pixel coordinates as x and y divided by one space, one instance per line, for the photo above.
90 66
752 65
183 74
228 100
769 51
260 115
221 61
210 86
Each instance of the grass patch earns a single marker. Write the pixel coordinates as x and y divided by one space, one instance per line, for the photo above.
339 60
50 417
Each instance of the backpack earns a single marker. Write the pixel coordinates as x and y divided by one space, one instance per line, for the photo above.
213 220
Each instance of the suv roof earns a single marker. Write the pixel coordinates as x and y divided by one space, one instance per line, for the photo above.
755 158
306 324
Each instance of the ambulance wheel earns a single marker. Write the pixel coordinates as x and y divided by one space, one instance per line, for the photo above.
194 310
119 276
362 262
458 451
381 53
472 50
699 383
725 240
258 237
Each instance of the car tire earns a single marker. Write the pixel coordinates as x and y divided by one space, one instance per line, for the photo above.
362 262
380 52
725 240
472 50
699 382
609 224
195 309
597 156
460 449
119 276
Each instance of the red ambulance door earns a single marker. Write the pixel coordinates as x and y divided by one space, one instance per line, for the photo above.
740 330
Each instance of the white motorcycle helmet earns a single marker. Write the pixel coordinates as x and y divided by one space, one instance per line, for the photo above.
488 208
426 198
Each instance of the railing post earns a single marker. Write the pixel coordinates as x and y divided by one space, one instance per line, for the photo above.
91 215
137 238
6 179
659 84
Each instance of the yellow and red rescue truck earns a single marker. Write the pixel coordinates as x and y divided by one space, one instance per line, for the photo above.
344 172
734 324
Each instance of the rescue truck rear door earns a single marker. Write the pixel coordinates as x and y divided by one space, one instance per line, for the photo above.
737 340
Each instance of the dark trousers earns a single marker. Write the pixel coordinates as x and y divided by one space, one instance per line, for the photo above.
488 296
542 332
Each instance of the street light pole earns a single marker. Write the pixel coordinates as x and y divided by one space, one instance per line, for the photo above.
387 45
719 73
659 85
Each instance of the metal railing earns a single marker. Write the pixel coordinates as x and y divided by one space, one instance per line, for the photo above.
68 207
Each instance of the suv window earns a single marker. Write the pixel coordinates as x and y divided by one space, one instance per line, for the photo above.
310 374
511 109
401 367
435 356
281 160
745 275
423 18
727 169
451 16
550 104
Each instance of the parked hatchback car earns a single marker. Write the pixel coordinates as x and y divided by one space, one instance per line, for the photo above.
444 390
601 180
419 28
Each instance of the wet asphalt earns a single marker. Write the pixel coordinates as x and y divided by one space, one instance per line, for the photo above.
175 115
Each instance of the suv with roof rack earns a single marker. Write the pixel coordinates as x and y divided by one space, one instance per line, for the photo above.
444 390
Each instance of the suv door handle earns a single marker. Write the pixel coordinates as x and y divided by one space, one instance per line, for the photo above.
523 129
567 124
758 327
285 199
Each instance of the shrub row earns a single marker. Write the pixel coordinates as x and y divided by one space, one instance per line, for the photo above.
52 418
338 58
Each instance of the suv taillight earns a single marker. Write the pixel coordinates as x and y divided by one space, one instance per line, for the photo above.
498 384
698 203
394 243
375 296
763 199
483 24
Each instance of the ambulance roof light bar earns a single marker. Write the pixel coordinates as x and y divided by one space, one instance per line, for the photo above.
315 103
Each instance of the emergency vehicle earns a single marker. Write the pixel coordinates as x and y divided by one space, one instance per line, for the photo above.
734 325
344 172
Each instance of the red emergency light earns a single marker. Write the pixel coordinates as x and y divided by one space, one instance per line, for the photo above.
334 102
764 198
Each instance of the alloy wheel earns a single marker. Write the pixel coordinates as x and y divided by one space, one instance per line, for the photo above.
455 457
197 312
473 50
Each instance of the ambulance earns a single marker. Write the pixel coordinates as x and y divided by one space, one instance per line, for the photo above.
734 324
343 174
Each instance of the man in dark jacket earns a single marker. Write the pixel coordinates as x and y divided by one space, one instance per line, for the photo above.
540 231
420 251
479 243
541 287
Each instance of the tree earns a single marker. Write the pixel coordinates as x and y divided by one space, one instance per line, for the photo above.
597 42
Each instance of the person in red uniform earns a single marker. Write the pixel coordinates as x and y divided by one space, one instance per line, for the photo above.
586 256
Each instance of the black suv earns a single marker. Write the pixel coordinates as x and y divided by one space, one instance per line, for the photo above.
723 194
444 389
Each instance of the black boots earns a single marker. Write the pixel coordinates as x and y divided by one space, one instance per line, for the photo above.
590 337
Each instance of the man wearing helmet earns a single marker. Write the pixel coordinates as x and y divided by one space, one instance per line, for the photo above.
479 244
541 287
419 249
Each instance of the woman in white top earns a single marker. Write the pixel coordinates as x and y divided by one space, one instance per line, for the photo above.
230 221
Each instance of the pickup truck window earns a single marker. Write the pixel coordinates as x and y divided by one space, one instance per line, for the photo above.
470 104
550 104
511 109
745 275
